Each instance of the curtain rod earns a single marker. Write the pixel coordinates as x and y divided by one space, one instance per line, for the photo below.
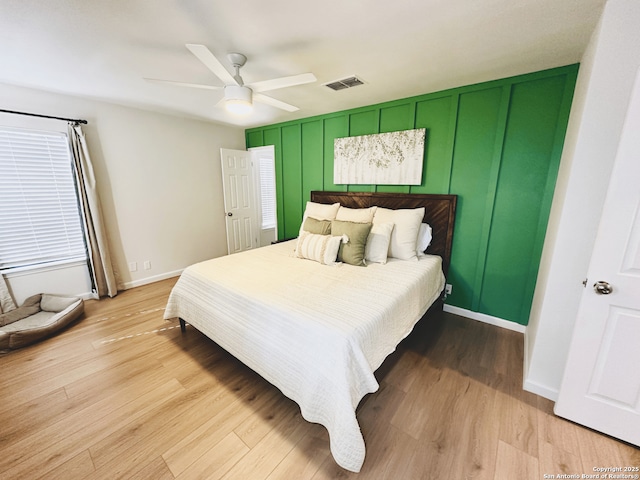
74 120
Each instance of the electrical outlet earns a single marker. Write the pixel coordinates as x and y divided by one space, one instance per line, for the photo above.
133 266
147 265
447 289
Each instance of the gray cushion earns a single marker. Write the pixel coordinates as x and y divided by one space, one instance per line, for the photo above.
30 306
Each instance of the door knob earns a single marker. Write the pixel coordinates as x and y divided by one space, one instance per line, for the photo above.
230 214
602 288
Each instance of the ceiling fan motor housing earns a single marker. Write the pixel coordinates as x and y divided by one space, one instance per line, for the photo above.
238 99
238 93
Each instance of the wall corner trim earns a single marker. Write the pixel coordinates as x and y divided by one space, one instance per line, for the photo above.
541 390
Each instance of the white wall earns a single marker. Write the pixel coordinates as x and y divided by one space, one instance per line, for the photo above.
158 177
602 95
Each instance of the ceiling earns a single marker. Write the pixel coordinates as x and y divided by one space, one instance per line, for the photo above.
400 48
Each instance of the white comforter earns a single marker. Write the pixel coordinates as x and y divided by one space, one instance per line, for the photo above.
316 332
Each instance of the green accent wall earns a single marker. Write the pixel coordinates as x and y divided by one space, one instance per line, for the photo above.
497 145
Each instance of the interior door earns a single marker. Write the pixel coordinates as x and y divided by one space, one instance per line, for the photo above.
239 200
601 384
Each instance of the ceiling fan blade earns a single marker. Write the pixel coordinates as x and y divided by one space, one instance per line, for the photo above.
283 82
212 63
183 84
274 103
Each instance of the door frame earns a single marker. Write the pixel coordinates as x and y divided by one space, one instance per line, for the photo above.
264 239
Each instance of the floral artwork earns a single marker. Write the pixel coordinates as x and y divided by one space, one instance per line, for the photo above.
393 158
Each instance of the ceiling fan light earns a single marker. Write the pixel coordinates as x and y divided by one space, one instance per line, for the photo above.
238 99
238 107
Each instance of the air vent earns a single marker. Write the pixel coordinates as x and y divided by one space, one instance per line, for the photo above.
348 82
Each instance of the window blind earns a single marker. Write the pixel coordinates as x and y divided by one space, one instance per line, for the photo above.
267 192
39 215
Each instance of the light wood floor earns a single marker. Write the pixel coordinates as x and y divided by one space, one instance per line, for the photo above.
124 394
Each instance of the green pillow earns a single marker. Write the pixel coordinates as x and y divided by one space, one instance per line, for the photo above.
351 252
317 227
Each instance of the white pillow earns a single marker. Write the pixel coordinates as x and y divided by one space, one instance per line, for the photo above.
319 248
320 211
377 247
425 235
359 215
404 237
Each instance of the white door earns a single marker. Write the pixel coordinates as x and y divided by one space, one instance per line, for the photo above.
601 384
239 200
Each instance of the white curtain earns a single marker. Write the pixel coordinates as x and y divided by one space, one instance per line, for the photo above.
104 282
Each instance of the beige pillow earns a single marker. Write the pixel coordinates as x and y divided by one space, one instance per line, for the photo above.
377 247
351 252
404 236
360 215
321 211
319 248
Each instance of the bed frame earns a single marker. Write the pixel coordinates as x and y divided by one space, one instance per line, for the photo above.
440 213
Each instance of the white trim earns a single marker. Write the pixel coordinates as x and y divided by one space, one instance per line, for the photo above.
481 317
147 280
542 390
44 267
88 296
535 387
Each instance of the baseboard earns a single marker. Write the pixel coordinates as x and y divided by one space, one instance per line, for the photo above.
89 296
481 317
148 280
541 390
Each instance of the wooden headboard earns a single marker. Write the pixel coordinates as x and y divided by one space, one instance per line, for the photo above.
440 212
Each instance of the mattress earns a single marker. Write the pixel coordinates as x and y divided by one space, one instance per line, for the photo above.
316 332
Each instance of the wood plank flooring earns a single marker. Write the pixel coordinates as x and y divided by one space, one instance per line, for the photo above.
124 394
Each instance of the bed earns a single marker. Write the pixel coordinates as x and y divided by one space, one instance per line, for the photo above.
318 332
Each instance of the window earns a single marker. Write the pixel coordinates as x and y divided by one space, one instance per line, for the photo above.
267 191
39 215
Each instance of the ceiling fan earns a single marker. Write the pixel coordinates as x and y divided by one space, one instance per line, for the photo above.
238 97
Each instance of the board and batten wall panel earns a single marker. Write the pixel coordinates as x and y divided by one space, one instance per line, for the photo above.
497 145
334 127
522 197
473 180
